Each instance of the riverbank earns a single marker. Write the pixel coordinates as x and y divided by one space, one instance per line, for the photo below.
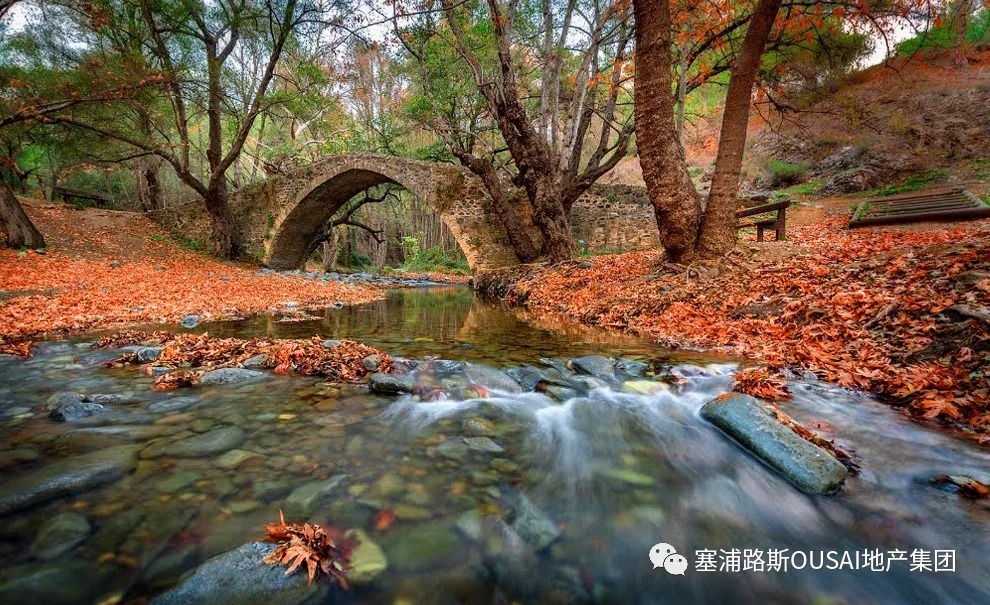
900 312
107 269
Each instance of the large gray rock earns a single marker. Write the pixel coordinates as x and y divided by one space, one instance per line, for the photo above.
228 375
67 477
61 398
213 442
149 354
390 384
304 500
58 535
241 577
747 420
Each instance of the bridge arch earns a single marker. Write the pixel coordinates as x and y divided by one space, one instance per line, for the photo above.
310 196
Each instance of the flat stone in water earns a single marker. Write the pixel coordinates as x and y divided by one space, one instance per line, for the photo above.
58 535
595 365
73 582
66 477
241 577
173 404
149 354
808 467
304 500
390 384
64 397
631 477
234 458
214 442
453 449
643 387
179 481
368 560
421 547
229 375
483 444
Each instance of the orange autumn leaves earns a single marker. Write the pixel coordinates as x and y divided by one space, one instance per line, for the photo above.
861 308
322 550
77 285
343 362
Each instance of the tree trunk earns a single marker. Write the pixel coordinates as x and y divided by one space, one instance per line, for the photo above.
225 243
519 238
149 185
718 233
552 220
20 232
961 23
672 193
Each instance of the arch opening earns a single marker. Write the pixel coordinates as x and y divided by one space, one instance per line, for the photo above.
295 233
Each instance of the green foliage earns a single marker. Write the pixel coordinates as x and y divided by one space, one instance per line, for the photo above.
915 182
803 189
436 259
786 174
944 35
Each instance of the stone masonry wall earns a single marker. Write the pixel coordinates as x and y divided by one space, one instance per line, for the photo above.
276 218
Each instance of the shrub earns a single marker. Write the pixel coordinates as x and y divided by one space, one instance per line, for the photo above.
786 174
436 259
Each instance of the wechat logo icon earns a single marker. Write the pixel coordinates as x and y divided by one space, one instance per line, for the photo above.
665 556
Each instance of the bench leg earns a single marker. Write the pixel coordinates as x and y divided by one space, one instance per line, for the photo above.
759 233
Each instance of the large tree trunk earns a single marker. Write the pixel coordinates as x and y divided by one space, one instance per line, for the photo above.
964 9
552 220
149 185
718 233
225 242
519 238
20 232
675 200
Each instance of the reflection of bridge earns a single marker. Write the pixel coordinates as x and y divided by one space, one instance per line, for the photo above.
280 217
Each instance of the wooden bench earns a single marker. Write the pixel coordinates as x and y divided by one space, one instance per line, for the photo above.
776 223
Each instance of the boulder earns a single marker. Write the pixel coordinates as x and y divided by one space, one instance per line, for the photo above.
228 375
258 361
66 477
173 404
72 582
241 577
64 397
491 378
58 535
371 362
747 420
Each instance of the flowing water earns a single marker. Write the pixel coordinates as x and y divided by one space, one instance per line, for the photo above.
516 497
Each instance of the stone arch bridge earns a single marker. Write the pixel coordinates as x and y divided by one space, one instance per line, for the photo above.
279 218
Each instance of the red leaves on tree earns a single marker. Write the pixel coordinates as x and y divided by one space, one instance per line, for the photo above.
321 549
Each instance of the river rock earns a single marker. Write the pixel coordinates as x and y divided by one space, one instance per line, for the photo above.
241 577
390 384
149 354
258 361
59 399
483 444
58 535
532 525
214 442
368 560
491 378
229 375
70 412
109 398
70 476
417 548
453 449
747 420
179 481
73 582
371 362
595 365
305 499
173 404
643 387
189 321
631 367
235 458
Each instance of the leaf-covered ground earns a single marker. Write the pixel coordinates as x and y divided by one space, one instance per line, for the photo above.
108 269
899 312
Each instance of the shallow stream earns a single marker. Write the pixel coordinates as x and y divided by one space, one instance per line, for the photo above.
517 497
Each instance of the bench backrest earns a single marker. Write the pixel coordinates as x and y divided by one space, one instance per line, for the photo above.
763 208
